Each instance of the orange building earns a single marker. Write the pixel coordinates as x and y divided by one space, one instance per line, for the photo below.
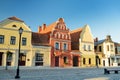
57 35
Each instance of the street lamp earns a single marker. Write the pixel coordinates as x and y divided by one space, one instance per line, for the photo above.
17 73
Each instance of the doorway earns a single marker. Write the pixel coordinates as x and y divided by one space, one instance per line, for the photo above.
22 59
75 61
56 61
1 54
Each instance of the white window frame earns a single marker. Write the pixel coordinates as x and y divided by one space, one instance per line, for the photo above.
58 45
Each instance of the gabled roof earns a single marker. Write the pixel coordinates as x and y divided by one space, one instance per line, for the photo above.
117 44
15 19
40 39
75 35
49 28
99 42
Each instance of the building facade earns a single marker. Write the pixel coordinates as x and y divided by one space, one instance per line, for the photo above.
41 52
105 50
31 54
57 35
9 41
82 42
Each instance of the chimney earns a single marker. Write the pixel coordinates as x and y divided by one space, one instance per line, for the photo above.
39 29
96 39
43 26
108 38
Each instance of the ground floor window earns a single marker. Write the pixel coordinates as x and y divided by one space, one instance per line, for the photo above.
39 59
84 60
99 61
65 60
9 58
89 60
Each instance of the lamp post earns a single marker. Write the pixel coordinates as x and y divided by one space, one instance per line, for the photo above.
6 68
17 71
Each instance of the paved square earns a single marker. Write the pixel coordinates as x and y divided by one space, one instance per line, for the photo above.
46 73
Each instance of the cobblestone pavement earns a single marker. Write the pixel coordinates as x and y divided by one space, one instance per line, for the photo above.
42 73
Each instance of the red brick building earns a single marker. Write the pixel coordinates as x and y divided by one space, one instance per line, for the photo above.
57 35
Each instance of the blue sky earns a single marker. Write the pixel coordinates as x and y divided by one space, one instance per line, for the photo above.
103 16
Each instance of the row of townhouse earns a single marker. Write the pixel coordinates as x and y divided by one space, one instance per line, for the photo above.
54 45
107 52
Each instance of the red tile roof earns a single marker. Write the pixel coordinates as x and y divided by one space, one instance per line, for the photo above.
40 39
15 18
48 28
43 35
75 36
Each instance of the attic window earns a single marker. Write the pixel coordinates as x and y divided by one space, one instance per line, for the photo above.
14 26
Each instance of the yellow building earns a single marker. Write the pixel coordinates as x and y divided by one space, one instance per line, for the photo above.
9 41
83 43
30 53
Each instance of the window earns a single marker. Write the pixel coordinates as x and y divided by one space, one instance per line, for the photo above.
14 26
107 47
57 46
99 61
1 39
89 47
84 60
89 60
39 57
9 56
13 40
65 46
24 41
59 35
84 47
65 60
100 49
111 47
63 36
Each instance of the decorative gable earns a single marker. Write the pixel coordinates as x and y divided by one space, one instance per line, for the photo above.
86 34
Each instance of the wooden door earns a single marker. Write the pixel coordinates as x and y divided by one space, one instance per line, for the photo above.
56 61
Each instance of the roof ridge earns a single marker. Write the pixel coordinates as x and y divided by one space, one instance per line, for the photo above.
15 18
76 30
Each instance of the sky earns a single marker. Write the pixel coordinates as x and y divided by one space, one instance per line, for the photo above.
103 16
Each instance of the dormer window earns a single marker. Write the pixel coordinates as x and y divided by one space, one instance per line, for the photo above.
14 26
